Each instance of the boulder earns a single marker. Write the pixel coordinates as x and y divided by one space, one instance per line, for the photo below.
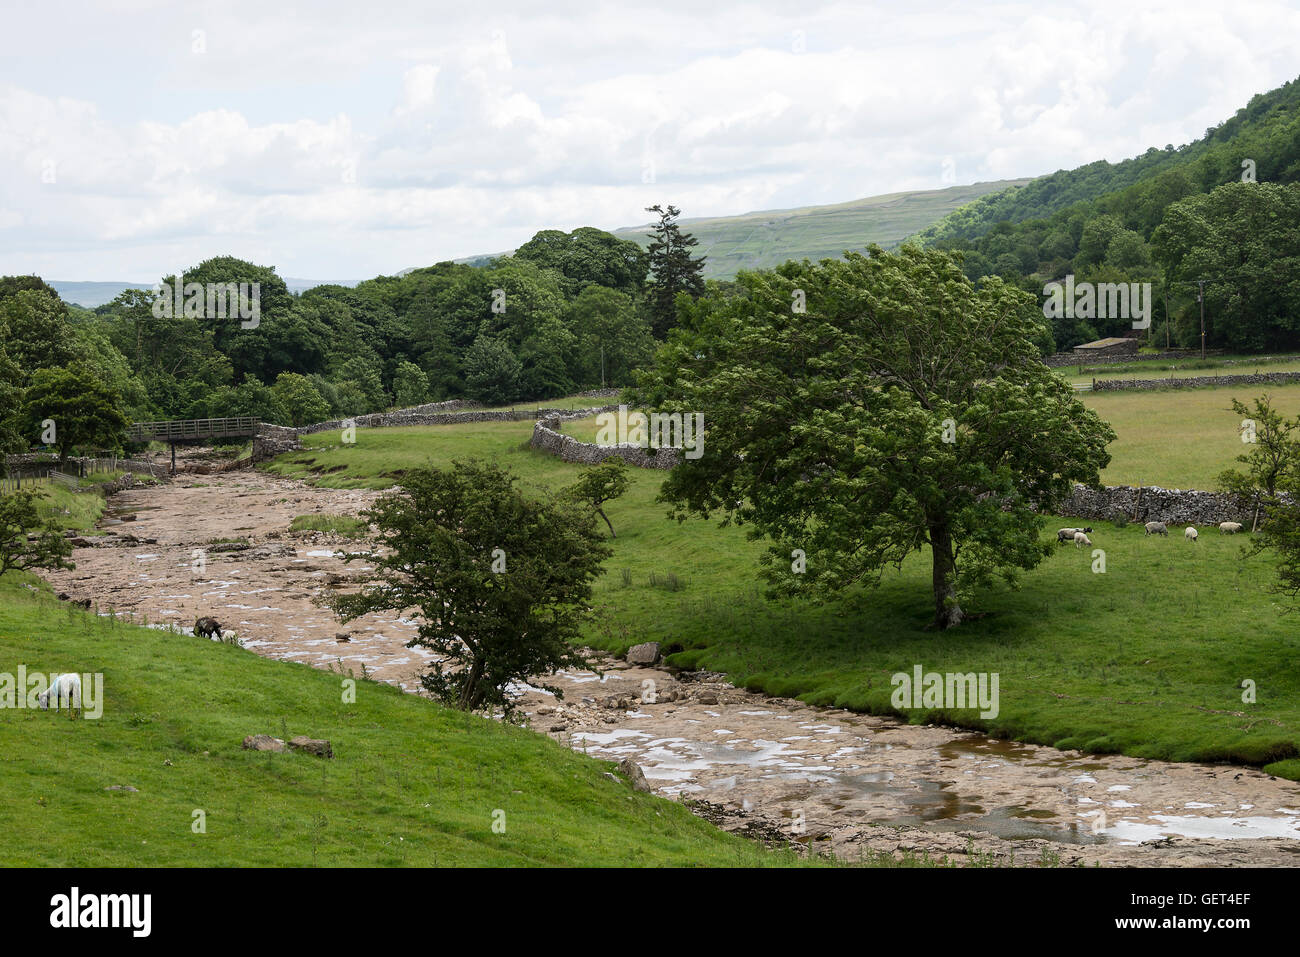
635 776
314 746
646 653
263 742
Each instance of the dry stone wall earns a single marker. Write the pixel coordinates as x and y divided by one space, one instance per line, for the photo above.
547 438
1195 382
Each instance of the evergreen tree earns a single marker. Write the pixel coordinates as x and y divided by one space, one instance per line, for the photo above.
673 269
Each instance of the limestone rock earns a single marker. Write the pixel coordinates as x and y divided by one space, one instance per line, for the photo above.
646 653
263 742
314 746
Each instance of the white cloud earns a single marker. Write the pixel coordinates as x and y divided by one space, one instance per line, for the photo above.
363 140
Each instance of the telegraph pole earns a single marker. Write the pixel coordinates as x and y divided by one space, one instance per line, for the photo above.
1200 297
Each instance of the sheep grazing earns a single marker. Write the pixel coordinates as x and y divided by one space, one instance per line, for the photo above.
1067 534
1080 539
66 691
1156 528
207 628
1230 528
1190 534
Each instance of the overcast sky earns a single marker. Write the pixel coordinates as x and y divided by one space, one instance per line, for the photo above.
345 140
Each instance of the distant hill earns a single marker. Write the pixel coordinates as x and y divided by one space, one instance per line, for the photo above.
769 237
92 294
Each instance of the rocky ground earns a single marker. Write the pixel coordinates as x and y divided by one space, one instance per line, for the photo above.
778 770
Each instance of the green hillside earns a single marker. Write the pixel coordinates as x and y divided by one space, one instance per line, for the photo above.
768 238
1266 130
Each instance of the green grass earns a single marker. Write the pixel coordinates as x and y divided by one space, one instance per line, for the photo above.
343 525
1144 659
1179 438
411 784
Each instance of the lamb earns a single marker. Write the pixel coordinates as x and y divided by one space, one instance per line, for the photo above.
1067 534
207 627
1230 528
1080 539
65 689
1190 534
1156 528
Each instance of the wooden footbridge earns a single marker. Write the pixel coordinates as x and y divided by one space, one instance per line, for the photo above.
173 431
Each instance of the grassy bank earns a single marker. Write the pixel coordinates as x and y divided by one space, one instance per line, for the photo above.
1145 658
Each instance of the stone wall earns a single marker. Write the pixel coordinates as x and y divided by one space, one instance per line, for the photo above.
1155 504
273 440
1059 359
566 447
1195 382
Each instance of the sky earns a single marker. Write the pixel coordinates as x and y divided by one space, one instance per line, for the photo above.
341 141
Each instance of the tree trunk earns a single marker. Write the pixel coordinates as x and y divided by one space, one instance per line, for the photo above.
601 513
947 610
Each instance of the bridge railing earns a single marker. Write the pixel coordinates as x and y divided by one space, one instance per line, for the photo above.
176 429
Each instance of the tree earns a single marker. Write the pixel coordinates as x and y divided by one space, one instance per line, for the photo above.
673 269
612 340
410 385
907 407
600 484
84 411
47 546
34 326
588 256
1275 451
492 372
501 581
299 399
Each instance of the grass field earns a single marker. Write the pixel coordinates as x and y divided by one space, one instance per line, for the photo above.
1145 658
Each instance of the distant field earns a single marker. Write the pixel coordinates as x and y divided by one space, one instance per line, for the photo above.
769 237
1178 438
1144 659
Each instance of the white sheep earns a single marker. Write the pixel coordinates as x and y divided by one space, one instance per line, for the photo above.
66 690
1230 528
1190 534
1156 528
1067 534
1080 539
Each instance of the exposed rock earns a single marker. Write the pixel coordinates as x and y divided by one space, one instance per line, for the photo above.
314 746
646 653
707 697
122 787
635 776
263 742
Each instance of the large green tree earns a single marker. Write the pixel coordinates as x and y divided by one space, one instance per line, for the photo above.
501 581
905 408
83 410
